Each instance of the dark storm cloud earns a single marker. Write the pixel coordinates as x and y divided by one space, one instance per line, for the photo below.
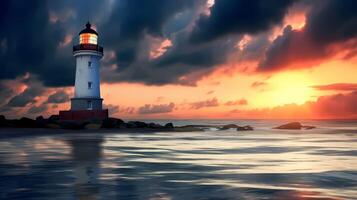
131 20
186 61
32 35
58 97
239 16
29 43
328 23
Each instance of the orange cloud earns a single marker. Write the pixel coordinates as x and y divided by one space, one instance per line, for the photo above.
337 86
258 84
156 109
207 103
240 102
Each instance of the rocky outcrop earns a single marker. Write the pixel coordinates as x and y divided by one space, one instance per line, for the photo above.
238 128
228 126
25 122
169 126
245 128
112 123
41 121
294 126
53 122
155 126
136 124
3 121
54 119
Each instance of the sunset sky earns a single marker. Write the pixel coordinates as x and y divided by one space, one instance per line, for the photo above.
185 59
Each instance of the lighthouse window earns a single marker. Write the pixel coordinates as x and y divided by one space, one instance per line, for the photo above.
90 85
89 64
89 105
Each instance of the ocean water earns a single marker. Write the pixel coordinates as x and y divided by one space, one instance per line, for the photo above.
261 164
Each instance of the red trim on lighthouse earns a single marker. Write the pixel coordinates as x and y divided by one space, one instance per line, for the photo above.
83 115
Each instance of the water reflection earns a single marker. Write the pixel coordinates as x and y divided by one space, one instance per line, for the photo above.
201 165
86 154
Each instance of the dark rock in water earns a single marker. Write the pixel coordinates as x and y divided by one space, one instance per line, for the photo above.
41 122
308 127
136 124
40 118
245 128
188 128
112 123
54 122
3 121
228 126
169 126
155 126
72 125
53 119
294 126
290 126
238 128
25 122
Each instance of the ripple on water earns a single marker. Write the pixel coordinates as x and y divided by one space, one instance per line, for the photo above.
200 165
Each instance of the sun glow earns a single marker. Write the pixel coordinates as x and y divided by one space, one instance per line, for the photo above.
290 88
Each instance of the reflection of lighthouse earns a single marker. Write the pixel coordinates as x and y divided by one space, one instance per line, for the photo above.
86 155
87 103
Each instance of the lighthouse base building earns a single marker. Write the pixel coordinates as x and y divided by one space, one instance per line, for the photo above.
86 105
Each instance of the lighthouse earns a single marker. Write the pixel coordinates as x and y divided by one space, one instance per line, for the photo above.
87 102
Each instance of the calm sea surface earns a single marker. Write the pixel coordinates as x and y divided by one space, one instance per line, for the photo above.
262 164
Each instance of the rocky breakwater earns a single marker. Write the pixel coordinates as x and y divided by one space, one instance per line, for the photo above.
294 126
53 122
238 128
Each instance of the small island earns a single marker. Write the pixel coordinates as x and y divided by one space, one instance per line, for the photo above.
294 126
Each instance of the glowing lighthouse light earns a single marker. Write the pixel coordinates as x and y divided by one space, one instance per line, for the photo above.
88 38
88 35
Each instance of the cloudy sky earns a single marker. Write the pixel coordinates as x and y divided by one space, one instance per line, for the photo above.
185 58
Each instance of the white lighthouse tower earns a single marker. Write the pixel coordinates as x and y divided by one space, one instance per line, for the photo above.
87 83
87 102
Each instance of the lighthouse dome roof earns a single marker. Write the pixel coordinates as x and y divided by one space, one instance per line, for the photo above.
88 29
